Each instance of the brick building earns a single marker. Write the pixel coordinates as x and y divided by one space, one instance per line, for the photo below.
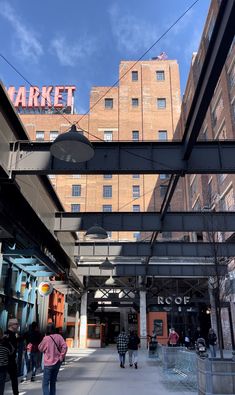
145 106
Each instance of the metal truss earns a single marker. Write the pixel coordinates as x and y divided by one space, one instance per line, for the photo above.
147 222
159 249
127 158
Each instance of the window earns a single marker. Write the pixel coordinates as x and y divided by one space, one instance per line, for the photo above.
134 75
227 201
75 208
39 136
108 103
162 135
108 176
53 135
76 176
108 136
76 190
164 176
136 208
107 208
107 191
211 28
160 75
163 189
135 191
161 103
217 111
135 102
194 187
136 235
135 176
232 77
135 135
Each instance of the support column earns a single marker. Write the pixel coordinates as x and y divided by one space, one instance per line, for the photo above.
83 321
75 342
143 323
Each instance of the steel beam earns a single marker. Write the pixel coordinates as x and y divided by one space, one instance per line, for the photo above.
158 270
159 249
127 158
147 222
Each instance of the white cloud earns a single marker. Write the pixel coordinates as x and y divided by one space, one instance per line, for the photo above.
69 54
132 34
26 44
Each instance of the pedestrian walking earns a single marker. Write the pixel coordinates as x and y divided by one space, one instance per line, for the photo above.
122 347
54 349
13 326
133 346
32 355
173 338
6 349
212 341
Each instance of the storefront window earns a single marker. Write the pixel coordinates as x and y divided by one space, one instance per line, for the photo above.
3 276
93 332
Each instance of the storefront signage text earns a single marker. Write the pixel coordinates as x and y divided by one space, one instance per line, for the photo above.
49 96
173 300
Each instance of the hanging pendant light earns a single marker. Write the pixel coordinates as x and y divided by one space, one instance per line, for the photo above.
72 146
96 232
110 281
106 265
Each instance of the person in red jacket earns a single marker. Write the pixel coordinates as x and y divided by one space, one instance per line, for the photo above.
173 338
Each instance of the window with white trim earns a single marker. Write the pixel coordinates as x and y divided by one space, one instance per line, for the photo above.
161 103
107 191
40 135
135 191
108 136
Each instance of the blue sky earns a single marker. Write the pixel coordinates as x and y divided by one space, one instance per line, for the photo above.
82 42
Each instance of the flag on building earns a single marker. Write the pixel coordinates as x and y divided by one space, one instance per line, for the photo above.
162 56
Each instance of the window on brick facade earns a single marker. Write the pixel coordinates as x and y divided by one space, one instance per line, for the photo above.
107 208
135 191
217 111
135 102
136 235
160 75
164 176
108 103
107 191
40 136
163 189
136 208
134 75
75 208
194 187
76 190
135 176
135 135
161 103
227 201
108 136
108 176
162 135
53 135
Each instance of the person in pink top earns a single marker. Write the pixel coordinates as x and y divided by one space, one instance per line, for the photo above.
173 338
54 348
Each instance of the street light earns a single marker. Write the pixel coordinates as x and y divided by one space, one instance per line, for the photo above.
72 146
96 232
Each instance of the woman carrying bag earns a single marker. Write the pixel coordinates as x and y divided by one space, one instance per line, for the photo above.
54 348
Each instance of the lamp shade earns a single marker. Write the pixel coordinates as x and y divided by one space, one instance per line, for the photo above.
96 232
106 265
72 147
110 281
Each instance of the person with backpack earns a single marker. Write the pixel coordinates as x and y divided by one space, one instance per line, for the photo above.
54 348
6 350
122 347
133 345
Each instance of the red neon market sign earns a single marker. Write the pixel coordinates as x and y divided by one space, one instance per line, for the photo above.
60 96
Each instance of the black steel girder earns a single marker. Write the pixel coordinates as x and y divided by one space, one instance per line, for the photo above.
159 270
159 249
146 222
127 158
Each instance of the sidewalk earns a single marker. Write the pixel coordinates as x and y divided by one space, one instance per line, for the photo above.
97 372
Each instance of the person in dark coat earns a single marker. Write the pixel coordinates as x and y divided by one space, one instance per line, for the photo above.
13 326
6 349
133 345
122 347
212 341
32 355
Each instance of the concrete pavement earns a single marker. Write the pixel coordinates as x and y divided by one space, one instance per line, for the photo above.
97 372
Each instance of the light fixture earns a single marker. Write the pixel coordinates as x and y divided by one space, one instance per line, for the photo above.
96 232
72 146
106 265
110 281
